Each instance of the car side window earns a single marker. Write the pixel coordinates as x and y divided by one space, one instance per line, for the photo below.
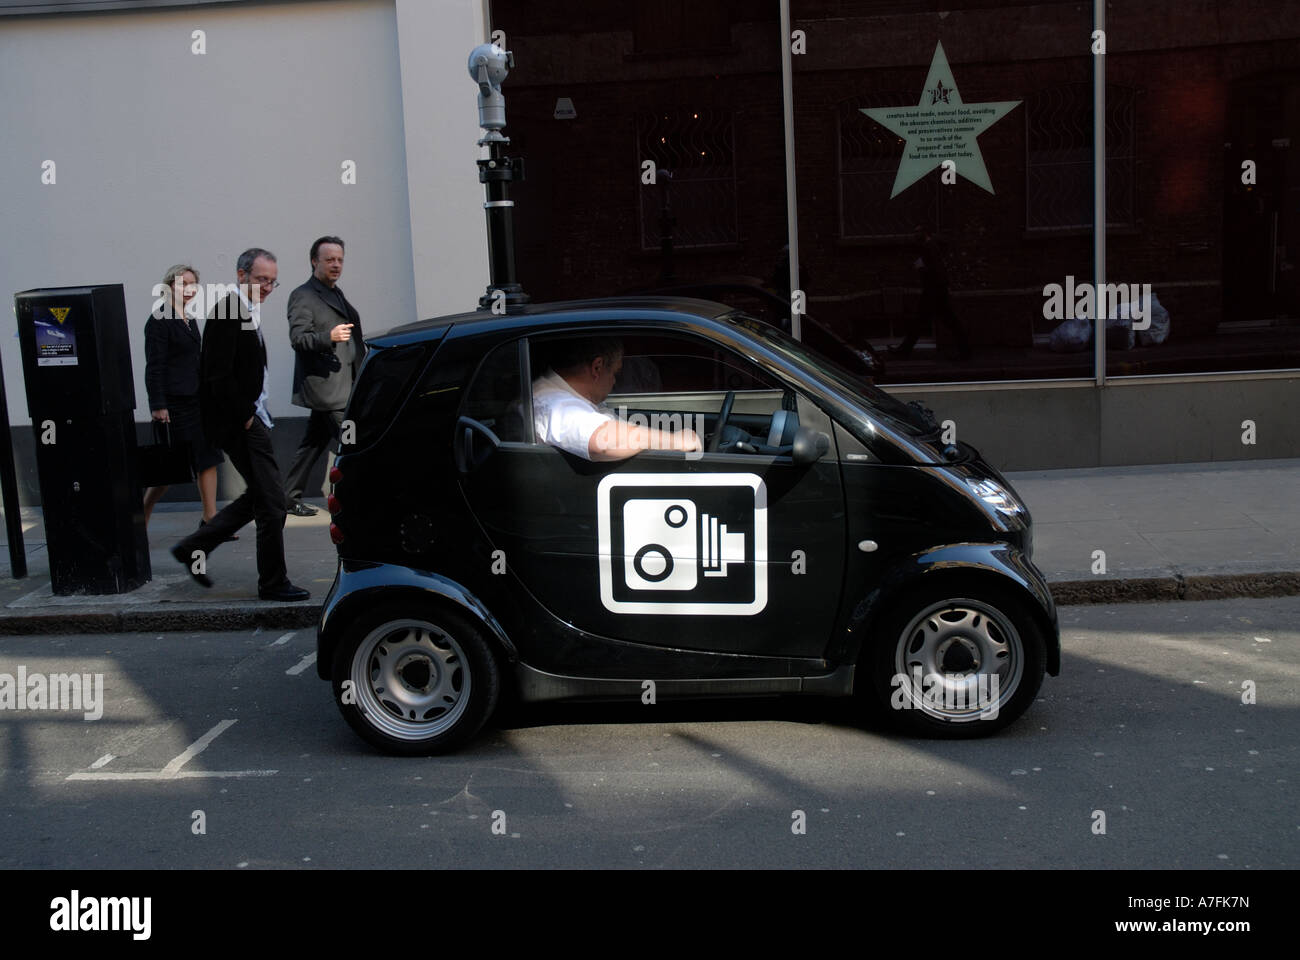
667 380
494 397
679 369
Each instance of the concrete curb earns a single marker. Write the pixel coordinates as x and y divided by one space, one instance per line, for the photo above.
1177 586
298 616
277 616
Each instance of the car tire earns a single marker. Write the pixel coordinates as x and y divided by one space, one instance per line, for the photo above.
956 660
415 679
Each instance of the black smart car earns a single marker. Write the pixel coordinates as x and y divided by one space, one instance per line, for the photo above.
824 542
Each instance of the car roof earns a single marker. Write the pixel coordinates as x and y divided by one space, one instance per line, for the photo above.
560 312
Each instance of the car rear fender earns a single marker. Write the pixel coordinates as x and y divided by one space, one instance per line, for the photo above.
359 586
998 562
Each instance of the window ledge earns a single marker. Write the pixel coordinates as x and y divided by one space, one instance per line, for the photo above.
891 240
1048 233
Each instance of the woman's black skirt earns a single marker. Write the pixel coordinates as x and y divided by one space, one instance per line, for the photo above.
186 426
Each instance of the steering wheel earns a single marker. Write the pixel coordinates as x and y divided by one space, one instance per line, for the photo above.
723 414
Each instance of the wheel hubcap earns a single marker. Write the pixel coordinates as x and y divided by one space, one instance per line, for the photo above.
411 679
959 660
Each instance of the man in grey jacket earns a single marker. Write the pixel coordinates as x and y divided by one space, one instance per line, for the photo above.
325 331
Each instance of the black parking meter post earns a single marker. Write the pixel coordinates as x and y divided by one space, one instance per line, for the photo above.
497 172
76 355
9 490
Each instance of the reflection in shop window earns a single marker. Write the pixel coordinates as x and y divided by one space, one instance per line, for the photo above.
679 26
869 157
695 202
1058 157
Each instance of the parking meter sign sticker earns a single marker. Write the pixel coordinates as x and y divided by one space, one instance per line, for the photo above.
691 544
56 342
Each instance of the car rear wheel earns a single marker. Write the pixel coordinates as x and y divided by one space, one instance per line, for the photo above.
415 681
963 660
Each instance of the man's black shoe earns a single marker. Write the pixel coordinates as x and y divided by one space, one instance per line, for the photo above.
286 593
202 579
300 509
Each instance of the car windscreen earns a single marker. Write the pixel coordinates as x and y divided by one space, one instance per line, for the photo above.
900 415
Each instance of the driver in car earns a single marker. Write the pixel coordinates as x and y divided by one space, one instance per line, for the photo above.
569 409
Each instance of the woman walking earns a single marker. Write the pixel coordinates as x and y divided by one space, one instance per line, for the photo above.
171 377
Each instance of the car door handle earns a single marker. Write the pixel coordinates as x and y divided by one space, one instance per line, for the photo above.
469 454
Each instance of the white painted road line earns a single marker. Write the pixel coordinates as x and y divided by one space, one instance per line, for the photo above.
159 775
301 665
198 746
285 639
173 769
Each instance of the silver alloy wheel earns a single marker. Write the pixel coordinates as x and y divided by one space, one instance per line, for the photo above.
412 679
959 660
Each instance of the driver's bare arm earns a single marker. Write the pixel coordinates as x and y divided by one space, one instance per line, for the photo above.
618 440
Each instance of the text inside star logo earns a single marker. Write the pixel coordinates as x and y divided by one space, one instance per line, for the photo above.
940 128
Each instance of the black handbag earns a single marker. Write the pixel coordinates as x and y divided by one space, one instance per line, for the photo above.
163 463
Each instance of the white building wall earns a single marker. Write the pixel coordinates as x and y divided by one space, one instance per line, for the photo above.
448 231
164 155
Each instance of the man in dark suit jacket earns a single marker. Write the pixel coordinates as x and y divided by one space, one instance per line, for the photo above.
233 388
325 331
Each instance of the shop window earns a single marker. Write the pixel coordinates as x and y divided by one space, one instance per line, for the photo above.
694 196
1058 157
869 156
679 26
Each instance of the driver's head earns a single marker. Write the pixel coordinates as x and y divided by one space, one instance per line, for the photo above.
589 365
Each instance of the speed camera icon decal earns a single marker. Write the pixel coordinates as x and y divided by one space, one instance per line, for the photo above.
692 544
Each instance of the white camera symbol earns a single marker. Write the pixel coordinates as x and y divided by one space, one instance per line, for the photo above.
659 544
670 544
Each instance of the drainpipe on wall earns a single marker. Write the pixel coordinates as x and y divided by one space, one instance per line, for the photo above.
1099 194
791 208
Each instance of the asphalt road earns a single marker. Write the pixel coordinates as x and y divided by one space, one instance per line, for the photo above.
1146 724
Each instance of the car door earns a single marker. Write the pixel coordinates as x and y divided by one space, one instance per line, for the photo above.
736 553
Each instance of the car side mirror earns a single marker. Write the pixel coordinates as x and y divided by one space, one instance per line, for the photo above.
809 446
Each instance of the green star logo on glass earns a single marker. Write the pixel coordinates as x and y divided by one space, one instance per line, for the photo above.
940 127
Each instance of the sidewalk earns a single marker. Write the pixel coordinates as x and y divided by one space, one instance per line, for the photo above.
1170 532
1196 531
171 600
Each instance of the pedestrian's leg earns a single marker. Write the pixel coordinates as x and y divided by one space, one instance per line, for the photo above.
914 321
207 484
921 323
226 522
151 496
314 443
949 319
239 511
326 488
266 492
336 425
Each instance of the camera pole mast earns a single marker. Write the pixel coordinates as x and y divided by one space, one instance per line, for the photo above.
488 66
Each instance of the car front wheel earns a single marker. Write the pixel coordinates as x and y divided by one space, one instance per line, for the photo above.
963 661
415 681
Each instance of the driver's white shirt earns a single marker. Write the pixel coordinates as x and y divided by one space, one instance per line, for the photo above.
563 417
